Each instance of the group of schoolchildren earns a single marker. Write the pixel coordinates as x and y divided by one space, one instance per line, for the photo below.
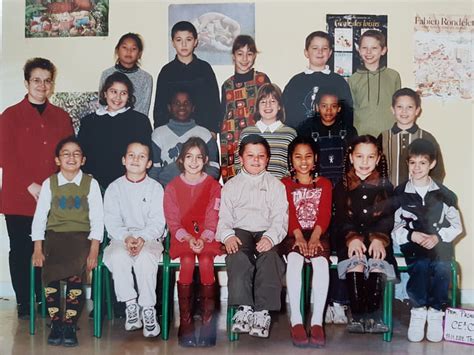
300 183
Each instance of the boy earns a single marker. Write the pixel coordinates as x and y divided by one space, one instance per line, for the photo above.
188 70
373 85
167 140
299 95
331 133
253 219
426 223
133 216
406 107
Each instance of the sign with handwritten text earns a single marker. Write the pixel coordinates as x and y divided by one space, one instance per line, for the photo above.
459 325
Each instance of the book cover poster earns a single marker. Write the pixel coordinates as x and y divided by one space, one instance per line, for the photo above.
346 31
444 56
217 26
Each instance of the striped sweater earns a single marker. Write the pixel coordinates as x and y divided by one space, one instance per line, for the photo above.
279 141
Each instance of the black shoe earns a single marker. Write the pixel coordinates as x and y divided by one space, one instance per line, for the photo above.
374 324
56 335
23 311
69 336
356 325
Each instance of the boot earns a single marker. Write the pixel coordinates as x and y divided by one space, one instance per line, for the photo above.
186 323
375 288
207 335
56 335
357 296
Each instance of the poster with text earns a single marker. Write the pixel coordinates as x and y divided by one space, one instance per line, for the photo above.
346 31
444 56
217 26
76 104
66 18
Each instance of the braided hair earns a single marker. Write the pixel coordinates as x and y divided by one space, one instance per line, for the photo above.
305 140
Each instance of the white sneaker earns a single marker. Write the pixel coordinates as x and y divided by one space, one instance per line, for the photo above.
339 313
261 324
434 332
329 317
242 320
416 329
151 328
132 313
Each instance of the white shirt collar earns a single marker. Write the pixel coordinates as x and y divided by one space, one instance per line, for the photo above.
102 110
326 70
63 181
272 128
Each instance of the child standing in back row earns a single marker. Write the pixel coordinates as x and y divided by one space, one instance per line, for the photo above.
373 85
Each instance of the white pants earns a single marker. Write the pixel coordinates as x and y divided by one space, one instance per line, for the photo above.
145 265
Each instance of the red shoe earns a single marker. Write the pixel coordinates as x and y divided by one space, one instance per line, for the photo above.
317 340
299 336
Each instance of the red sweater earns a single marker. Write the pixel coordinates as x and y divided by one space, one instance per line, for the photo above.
308 206
27 144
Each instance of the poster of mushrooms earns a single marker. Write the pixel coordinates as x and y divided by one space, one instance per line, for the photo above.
66 18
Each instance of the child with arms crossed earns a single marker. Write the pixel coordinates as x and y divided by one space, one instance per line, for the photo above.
191 207
133 215
253 219
67 230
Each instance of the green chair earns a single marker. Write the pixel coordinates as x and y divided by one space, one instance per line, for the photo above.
33 301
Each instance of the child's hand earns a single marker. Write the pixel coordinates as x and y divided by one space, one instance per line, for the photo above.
314 245
232 244
37 258
302 245
418 237
429 241
377 250
34 190
263 245
93 254
137 248
356 248
196 245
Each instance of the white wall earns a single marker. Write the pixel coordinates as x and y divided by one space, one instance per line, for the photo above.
281 27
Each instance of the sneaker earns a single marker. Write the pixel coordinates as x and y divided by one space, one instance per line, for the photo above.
339 313
242 320
69 336
132 313
434 332
329 317
151 328
416 329
317 338
56 335
299 336
260 324
374 323
356 324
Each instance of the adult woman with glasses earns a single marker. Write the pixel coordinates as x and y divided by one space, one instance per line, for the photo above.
29 133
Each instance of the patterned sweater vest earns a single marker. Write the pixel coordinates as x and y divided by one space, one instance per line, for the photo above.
69 206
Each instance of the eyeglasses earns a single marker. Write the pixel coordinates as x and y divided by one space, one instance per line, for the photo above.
38 81
67 155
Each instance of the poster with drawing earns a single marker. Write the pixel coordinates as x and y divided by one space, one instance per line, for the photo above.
346 31
66 18
217 26
444 56
76 104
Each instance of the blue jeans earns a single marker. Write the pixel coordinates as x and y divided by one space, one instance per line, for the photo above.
429 282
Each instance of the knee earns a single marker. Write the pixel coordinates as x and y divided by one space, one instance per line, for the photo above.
442 269
146 261
420 266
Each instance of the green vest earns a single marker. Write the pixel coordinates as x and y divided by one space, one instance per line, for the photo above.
69 206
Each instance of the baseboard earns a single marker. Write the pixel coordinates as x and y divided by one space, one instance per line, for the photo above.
467 296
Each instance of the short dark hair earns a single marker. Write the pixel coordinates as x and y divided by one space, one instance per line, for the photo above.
184 26
268 89
117 77
40 63
406 92
321 34
134 37
244 40
254 139
64 141
422 147
143 143
376 34
327 92
190 143
177 91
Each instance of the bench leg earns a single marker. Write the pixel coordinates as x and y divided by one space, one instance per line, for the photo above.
108 296
165 316
98 301
230 314
387 310
454 285
32 300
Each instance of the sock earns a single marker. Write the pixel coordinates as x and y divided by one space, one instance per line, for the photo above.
293 286
320 285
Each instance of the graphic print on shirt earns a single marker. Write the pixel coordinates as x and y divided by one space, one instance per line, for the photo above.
306 201
309 101
173 153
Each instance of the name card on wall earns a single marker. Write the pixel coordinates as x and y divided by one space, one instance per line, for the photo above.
459 325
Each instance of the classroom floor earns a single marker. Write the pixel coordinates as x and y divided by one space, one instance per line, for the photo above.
15 339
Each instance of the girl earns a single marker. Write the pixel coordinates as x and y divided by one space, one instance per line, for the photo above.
309 199
128 51
238 100
364 221
270 117
69 219
105 134
191 207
